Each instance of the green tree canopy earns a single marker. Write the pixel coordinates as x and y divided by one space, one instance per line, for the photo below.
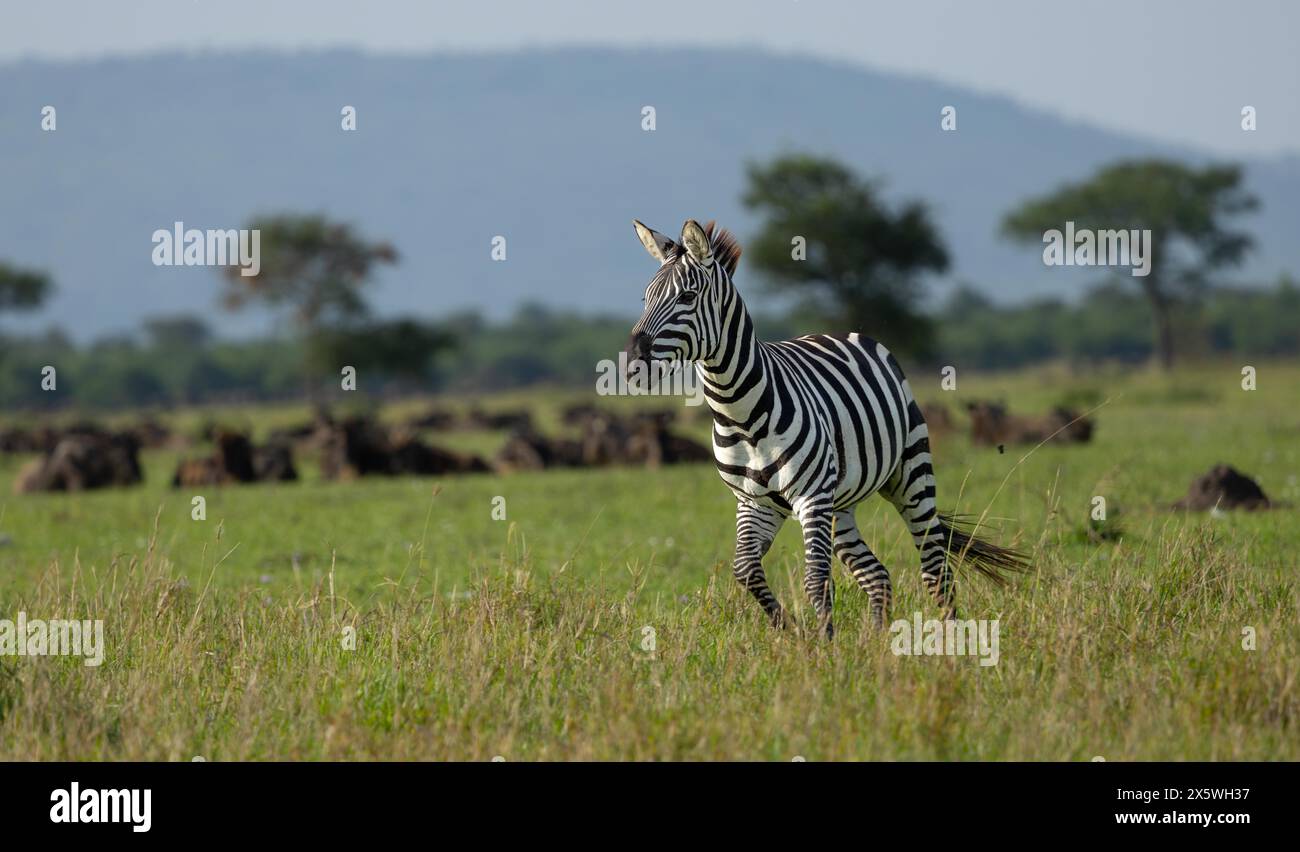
402 348
178 332
1184 208
22 289
315 267
863 258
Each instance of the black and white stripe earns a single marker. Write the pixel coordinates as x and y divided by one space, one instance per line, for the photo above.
807 427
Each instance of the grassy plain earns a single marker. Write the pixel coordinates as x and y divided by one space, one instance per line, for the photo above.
528 637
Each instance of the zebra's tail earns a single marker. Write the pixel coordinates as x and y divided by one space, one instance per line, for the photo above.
993 561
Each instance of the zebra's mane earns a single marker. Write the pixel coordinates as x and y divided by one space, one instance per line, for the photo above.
726 250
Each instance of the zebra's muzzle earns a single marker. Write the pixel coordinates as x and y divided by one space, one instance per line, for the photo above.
638 349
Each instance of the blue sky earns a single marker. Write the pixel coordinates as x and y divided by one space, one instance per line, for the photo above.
1175 70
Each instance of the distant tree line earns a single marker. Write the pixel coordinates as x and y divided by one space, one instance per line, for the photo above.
844 258
858 263
175 360
1113 322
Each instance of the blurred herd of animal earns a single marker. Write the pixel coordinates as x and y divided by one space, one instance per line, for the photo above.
85 455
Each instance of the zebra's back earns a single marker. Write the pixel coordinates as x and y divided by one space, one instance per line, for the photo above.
838 410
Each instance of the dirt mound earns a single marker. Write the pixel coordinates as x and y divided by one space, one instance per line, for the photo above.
1224 487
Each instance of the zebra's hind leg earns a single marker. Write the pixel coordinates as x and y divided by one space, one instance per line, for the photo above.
756 527
911 490
867 570
814 515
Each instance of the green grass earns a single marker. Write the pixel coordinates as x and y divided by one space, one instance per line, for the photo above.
477 637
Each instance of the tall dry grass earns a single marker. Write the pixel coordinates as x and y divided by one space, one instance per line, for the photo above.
1136 653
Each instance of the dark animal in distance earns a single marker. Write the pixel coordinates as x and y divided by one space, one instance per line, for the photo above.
991 424
83 461
236 460
360 446
605 438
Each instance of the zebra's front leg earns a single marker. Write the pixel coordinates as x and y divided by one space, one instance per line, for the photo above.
756 527
815 517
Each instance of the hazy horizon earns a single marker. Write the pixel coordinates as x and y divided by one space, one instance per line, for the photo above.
1175 72
439 165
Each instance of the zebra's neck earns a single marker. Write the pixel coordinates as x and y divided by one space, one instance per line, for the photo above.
735 375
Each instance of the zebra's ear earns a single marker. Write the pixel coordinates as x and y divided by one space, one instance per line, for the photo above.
659 246
697 242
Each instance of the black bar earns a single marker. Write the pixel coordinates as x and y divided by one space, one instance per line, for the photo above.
329 801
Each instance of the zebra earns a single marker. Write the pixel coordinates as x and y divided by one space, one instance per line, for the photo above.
808 428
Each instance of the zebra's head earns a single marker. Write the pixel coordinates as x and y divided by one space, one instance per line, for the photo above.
685 300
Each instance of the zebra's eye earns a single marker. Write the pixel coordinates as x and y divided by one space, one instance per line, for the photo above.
687 298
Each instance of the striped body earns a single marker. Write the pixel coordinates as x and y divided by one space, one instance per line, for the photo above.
805 428
826 407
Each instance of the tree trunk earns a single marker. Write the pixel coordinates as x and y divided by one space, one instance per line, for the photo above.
308 337
1162 314
1165 336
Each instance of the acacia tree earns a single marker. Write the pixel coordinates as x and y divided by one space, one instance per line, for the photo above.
317 269
860 260
22 289
1183 208
403 349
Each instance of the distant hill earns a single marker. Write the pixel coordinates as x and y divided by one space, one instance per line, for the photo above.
544 147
